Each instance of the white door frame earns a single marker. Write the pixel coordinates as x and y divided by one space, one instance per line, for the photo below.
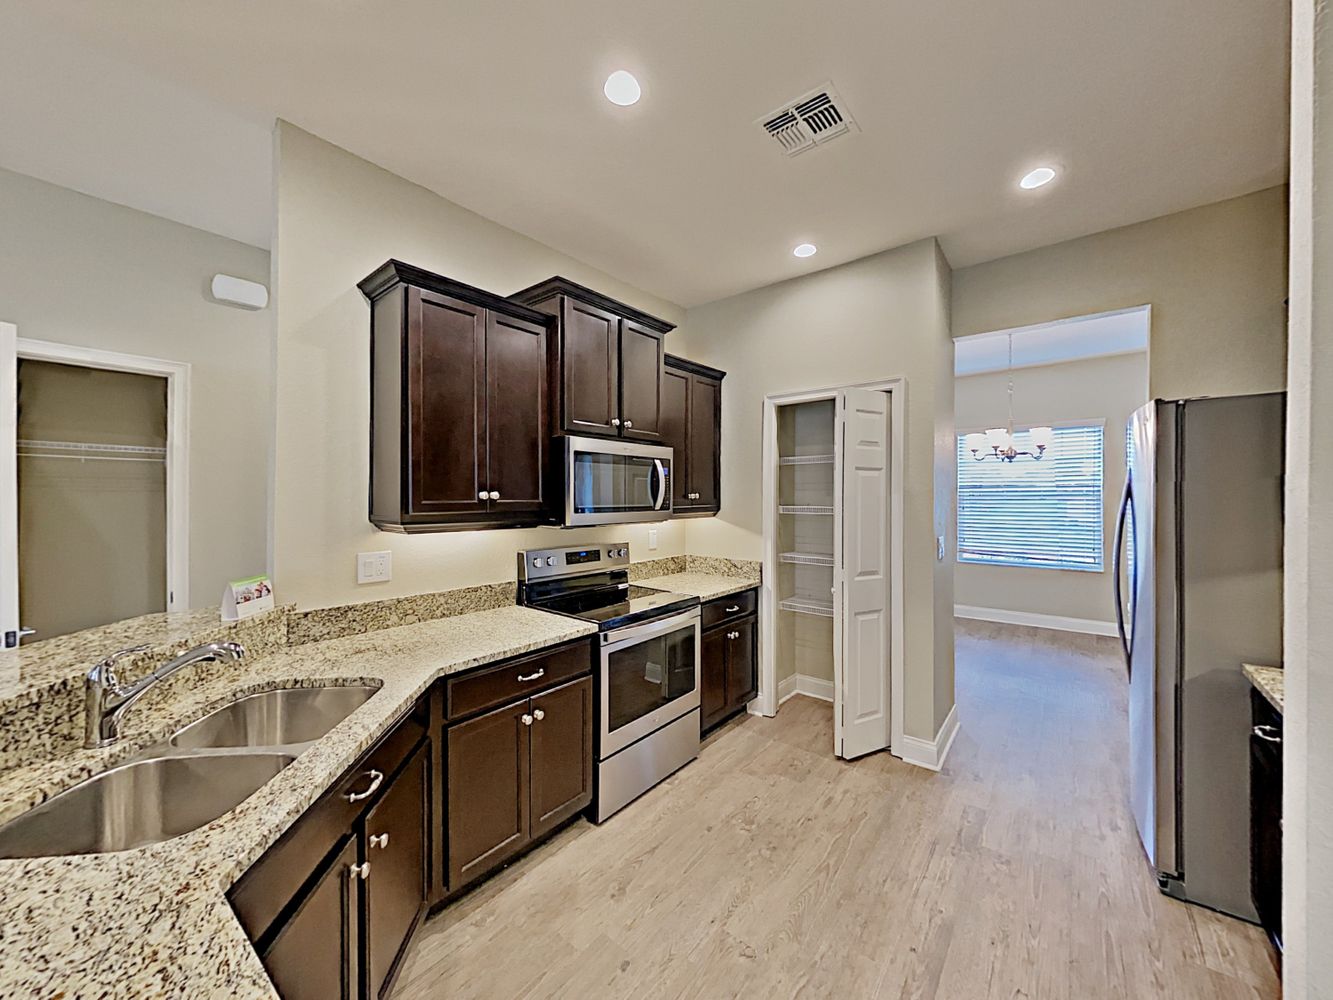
177 374
766 703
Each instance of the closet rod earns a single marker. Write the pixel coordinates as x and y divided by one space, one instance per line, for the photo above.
94 458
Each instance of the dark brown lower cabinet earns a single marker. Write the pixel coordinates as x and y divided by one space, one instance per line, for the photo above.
713 677
394 846
729 670
560 768
1266 815
331 906
514 775
487 791
316 953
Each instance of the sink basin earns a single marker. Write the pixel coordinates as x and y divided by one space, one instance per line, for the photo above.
282 717
142 802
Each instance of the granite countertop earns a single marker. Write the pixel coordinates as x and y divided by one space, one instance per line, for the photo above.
1270 681
705 586
155 921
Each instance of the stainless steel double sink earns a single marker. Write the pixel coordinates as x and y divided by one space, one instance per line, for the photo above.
205 769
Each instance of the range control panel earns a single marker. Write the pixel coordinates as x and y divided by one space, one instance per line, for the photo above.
543 564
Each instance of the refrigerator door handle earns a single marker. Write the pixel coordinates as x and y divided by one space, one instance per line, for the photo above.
1116 558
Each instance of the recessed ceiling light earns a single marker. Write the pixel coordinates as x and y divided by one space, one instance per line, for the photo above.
804 250
621 88
1037 178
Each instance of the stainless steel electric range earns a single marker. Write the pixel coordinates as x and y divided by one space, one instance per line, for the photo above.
647 679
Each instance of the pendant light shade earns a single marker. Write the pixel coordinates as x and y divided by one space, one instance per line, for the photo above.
975 442
1041 437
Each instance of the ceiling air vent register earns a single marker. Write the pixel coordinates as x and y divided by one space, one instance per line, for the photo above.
809 121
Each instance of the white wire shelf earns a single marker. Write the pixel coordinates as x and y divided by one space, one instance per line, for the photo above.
805 508
85 451
807 606
807 558
806 460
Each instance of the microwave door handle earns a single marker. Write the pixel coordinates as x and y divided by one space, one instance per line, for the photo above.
661 496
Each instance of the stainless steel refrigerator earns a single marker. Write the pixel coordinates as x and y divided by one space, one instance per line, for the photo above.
1198 575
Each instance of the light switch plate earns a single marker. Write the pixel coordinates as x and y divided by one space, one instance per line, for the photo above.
374 567
939 547
652 538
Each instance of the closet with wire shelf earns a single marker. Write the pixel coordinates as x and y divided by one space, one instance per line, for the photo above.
807 524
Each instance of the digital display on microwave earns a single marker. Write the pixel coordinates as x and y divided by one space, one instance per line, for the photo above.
584 556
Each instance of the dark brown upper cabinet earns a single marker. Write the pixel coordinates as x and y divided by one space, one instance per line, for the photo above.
606 362
459 384
692 426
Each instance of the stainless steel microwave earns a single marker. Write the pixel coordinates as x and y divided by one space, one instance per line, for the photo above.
615 482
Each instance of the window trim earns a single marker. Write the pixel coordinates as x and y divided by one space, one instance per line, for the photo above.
959 454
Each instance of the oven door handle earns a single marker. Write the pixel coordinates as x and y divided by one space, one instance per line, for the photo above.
628 636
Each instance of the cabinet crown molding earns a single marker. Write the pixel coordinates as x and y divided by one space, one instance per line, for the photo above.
693 367
563 286
392 273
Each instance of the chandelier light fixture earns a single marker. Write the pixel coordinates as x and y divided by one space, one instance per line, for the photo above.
998 442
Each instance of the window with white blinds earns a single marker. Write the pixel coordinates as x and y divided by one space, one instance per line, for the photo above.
1046 514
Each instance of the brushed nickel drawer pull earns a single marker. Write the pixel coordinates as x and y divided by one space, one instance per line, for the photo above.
361 871
380 840
733 609
526 719
533 677
1267 733
376 779
538 714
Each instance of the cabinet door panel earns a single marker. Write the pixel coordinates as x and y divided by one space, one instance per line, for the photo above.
446 386
516 410
705 446
742 684
315 953
675 434
396 851
487 791
641 382
713 677
590 349
561 754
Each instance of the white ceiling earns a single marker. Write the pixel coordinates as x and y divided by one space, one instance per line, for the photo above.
1146 106
1123 331
76 115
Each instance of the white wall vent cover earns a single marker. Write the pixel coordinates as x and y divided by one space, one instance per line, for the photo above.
811 120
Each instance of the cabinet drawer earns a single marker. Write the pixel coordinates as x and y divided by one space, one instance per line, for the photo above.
275 879
483 689
729 607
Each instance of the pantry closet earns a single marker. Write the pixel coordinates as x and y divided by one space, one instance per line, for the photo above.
832 576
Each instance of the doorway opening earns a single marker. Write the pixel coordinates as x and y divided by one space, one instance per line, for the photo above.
832 590
93 519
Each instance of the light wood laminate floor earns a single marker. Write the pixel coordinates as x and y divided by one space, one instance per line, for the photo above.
767 868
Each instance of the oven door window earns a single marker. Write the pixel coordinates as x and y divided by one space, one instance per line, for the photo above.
613 483
645 676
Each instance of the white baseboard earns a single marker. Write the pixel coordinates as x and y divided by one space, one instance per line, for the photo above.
931 754
811 687
1059 623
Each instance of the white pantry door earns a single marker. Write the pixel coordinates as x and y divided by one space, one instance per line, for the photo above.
9 482
863 697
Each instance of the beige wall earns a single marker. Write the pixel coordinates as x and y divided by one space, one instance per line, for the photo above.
1108 389
76 270
875 318
1215 277
1307 850
338 218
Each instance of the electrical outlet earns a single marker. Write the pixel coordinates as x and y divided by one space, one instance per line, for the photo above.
374 567
652 539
